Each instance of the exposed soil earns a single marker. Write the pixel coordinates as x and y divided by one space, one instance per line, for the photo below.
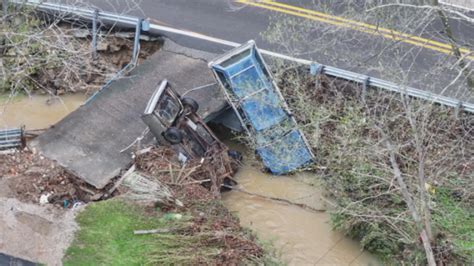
114 51
54 57
27 176
28 230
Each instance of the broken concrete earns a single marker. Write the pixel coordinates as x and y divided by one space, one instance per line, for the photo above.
89 141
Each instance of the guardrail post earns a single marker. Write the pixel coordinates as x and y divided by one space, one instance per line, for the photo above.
365 85
315 69
458 109
145 25
5 8
23 137
94 33
87 14
136 44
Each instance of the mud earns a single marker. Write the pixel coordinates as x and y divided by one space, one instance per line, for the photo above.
37 233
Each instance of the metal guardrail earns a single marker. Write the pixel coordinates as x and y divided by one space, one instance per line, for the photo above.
130 21
11 138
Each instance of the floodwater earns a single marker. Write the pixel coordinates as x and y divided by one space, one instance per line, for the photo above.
38 111
300 236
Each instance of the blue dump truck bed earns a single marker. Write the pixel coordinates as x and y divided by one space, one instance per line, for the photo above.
263 112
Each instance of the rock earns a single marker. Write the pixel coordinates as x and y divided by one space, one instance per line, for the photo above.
102 46
115 48
80 33
11 52
145 38
125 35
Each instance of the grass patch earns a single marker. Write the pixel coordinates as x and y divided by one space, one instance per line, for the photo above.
106 235
455 219
205 233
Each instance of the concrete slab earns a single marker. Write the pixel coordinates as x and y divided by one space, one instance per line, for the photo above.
88 141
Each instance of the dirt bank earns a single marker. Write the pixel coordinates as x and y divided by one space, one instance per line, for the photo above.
27 177
53 57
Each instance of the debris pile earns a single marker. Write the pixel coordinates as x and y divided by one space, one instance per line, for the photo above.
194 185
209 172
30 177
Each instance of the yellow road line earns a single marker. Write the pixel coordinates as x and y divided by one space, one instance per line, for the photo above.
355 25
362 24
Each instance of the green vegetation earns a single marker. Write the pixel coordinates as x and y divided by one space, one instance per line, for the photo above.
454 219
106 236
348 131
23 54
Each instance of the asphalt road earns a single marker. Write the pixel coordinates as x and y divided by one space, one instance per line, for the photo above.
239 22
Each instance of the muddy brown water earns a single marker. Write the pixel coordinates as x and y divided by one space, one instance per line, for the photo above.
301 236
38 111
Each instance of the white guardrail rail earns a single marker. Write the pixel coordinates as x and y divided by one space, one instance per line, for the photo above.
131 22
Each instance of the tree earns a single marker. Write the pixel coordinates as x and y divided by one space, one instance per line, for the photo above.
386 154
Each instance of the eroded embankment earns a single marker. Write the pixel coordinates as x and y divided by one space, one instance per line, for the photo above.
50 56
382 154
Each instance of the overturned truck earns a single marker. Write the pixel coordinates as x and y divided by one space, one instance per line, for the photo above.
259 105
174 121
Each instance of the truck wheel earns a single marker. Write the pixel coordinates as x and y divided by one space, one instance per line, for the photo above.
236 155
190 103
173 135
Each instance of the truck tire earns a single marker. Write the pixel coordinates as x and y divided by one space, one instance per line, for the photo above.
190 104
236 155
173 135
